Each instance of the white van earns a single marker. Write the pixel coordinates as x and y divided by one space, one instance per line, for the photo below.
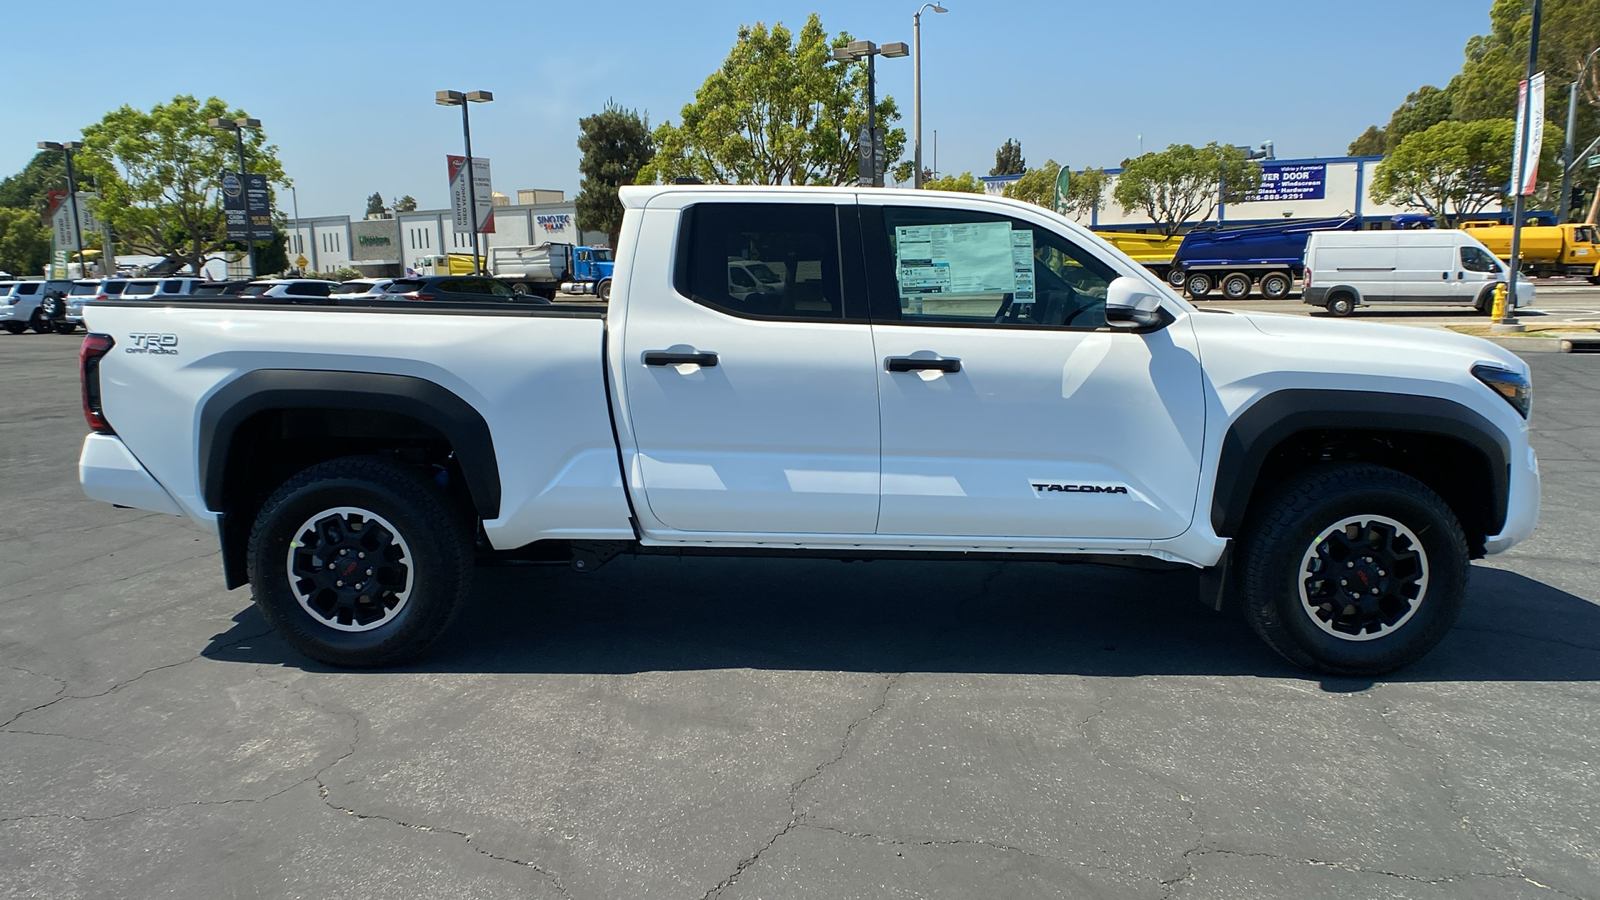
1346 269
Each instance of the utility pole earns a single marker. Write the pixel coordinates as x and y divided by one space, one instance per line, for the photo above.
1508 314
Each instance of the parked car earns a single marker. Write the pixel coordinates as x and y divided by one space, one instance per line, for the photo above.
944 376
83 291
458 288
21 302
1347 269
289 290
362 287
220 288
160 288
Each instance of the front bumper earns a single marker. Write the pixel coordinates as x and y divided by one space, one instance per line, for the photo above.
1522 506
109 472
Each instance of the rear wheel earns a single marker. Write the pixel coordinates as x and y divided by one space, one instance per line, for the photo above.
14 327
1198 284
1341 305
39 323
359 562
1175 277
603 290
1275 285
522 287
1353 570
1236 286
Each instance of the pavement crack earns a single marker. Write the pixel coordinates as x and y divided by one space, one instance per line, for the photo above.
61 696
953 842
796 818
1450 878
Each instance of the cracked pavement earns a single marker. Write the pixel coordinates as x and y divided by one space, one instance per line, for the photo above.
774 729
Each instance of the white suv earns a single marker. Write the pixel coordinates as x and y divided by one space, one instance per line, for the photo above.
288 290
19 304
83 291
160 288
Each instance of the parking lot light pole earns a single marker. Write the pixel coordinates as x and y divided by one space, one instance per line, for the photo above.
1567 160
858 50
66 148
1507 323
916 88
461 99
237 126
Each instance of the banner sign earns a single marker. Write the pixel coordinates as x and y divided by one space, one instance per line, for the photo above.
482 192
1063 181
247 207
1291 181
1530 175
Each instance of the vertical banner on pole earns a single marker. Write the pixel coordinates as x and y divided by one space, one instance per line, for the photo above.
1530 167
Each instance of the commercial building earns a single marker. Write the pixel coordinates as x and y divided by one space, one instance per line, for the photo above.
1315 188
390 246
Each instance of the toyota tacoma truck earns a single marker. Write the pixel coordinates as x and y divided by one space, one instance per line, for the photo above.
938 376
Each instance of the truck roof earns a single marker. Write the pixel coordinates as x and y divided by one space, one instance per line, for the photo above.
637 196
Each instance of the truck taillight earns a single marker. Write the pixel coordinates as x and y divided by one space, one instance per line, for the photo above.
1305 281
94 347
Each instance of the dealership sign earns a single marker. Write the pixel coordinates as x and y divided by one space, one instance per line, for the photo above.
461 205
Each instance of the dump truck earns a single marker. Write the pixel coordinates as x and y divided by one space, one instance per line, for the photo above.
1153 251
1546 249
1237 259
544 268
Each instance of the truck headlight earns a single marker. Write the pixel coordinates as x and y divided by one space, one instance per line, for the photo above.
1514 386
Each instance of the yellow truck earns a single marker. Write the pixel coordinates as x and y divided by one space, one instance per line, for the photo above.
1546 249
1153 251
448 264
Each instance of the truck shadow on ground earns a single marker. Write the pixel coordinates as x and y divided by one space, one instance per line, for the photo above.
658 614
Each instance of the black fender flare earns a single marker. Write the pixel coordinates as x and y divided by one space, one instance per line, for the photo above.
269 389
1280 415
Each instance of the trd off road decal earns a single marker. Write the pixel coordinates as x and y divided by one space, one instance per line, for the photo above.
153 344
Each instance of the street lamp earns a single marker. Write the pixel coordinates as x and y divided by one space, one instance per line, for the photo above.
858 50
237 126
1567 162
461 99
66 148
916 86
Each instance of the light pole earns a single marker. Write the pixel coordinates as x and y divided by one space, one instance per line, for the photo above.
916 87
1567 162
237 126
867 50
299 246
1508 315
66 148
461 99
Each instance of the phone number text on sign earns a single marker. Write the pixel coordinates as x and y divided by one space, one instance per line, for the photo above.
1300 181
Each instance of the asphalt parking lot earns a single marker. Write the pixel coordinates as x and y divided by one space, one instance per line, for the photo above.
748 728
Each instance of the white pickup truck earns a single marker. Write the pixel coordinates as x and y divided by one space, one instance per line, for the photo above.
932 375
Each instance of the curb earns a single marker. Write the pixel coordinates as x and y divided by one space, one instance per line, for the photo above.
1559 343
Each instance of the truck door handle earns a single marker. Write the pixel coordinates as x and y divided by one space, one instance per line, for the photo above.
912 364
665 358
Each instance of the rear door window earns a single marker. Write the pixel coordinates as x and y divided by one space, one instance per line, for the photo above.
82 290
113 288
139 288
795 244
26 288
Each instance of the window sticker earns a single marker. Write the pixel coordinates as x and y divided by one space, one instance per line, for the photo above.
1022 265
963 258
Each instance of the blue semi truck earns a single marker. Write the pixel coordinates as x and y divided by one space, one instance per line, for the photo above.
1235 260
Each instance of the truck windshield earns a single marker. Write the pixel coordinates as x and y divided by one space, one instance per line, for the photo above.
602 254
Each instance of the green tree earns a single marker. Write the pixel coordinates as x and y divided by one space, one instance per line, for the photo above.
160 175
1184 183
407 203
1370 143
964 183
616 147
780 110
24 242
47 171
1008 159
1038 186
1456 169
1423 108
375 204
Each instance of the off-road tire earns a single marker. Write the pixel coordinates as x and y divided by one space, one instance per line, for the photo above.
1275 285
1281 537
438 559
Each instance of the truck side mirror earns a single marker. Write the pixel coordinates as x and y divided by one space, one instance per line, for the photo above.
1130 301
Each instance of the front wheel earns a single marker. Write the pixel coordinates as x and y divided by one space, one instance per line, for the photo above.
39 323
359 562
1353 570
1275 285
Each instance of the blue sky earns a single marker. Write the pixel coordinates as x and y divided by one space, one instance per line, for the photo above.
345 87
